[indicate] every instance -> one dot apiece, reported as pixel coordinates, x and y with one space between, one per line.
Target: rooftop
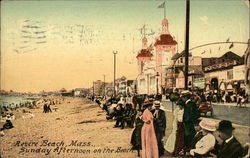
165 39
144 53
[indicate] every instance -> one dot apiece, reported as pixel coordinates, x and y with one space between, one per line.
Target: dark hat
148 102
180 103
225 125
139 110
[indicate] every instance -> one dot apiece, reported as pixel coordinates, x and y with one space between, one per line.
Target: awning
229 87
207 87
222 86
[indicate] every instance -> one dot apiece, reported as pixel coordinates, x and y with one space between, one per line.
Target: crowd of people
7 114
48 102
13 106
239 99
191 136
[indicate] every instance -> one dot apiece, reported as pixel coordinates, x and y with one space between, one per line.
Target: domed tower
165 49
144 55
165 26
144 43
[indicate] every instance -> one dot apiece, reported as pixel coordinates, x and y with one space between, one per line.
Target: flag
162 5
231 46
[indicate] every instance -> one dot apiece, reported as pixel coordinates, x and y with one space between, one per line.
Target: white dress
178 117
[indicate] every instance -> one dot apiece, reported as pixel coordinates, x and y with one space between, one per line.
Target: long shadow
91 121
80 109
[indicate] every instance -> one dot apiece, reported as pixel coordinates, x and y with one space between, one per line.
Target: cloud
204 19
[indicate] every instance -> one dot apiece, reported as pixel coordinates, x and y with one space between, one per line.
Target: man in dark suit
159 125
230 148
134 101
140 101
190 117
119 114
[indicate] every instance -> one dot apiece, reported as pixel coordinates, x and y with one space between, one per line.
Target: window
230 74
142 82
152 80
142 65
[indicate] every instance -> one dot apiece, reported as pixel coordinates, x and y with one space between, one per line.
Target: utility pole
157 80
93 88
187 43
104 85
157 89
114 52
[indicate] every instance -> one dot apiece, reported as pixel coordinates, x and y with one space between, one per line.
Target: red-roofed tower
144 55
165 48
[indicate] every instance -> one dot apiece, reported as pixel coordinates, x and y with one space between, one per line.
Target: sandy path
77 129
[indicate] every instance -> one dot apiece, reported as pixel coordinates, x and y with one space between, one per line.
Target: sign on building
239 72
199 82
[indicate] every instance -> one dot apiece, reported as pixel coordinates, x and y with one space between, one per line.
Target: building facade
247 68
153 62
97 87
227 75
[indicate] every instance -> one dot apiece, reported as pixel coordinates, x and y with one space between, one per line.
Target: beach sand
77 120
78 129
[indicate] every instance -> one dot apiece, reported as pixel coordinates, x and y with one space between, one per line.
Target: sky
49 45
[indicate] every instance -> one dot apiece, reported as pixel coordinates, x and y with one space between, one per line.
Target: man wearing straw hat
159 125
190 117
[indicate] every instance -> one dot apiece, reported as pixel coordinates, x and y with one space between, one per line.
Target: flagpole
164 10
187 43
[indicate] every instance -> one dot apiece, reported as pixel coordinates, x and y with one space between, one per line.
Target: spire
144 43
165 26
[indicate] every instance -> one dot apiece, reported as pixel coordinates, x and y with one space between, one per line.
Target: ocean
13 100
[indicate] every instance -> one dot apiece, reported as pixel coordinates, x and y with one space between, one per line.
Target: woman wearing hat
207 142
175 142
8 124
149 141
136 134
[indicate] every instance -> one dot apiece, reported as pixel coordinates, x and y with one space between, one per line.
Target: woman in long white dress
175 142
